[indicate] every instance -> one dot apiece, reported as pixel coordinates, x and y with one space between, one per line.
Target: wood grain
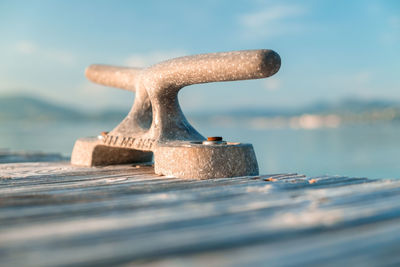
52 213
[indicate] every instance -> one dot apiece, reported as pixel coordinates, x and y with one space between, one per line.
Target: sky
330 49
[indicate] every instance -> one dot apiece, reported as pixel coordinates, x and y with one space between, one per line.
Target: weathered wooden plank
57 214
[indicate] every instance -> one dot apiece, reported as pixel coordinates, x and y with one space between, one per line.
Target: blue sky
330 49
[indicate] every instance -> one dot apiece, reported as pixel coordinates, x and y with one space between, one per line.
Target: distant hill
351 106
29 108
344 107
33 109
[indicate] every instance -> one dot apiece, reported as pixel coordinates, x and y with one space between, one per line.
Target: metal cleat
156 123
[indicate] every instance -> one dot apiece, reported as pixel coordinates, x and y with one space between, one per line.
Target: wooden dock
52 213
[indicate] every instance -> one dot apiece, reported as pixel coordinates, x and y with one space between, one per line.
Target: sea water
358 150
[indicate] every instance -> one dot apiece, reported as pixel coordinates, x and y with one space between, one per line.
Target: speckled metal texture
198 161
91 152
156 117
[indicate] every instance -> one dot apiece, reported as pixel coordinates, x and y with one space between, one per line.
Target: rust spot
214 138
311 181
270 179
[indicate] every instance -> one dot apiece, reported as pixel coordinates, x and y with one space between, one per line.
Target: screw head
214 138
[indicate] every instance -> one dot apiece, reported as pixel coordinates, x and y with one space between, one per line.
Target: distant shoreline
30 109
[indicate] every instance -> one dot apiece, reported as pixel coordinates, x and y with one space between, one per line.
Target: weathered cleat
156 123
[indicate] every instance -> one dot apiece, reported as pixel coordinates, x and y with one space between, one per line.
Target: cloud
105 97
272 21
362 83
25 47
29 48
355 79
64 57
272 84
362 78
147 59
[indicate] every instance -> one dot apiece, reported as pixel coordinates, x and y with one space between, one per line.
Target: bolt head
215 138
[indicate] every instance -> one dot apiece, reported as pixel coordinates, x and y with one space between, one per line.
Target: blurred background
333 108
